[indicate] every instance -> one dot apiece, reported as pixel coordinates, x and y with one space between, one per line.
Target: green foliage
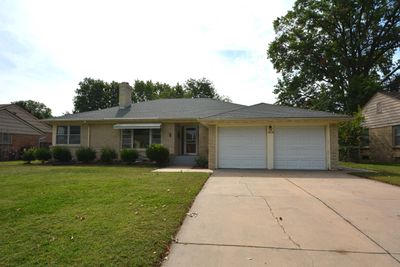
129 155
43 154
201 162
158 153
107 155
95 94
61 154
334 55
350 131
85 154
37 109
28 155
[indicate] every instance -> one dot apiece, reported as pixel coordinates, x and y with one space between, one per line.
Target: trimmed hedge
129 155
108 155
43 154
158 153
85 154
28 155
61 154
201 162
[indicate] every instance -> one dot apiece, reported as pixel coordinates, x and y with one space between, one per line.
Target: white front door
190 140
242 147
300 148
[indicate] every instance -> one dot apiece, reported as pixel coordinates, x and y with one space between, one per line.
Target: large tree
335 54
95 94
37 109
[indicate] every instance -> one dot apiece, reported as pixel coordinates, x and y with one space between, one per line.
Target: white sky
48 47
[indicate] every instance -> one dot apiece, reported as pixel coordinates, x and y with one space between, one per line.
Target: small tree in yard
350 133
28 155
42 154
158 153
129 155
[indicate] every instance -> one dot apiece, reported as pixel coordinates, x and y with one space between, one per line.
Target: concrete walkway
182 169
278 218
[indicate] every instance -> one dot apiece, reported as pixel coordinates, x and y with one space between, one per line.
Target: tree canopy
94 94
37 109
334 55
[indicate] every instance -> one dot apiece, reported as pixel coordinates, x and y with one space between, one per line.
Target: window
364 139
68 135
140 138
396 135
378 108
5 139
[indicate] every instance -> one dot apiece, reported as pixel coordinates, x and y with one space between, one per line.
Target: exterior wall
101 135
389 116
381 147
18 142
203 141
212 147
334 146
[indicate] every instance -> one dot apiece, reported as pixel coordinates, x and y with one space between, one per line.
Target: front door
190 140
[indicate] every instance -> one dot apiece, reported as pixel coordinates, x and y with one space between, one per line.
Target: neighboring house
382 120
19 129
230 135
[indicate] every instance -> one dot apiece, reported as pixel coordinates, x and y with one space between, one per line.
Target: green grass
90 215
388 173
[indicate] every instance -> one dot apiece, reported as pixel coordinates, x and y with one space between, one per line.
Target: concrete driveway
290 218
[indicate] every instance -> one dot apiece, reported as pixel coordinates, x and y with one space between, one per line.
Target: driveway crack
280 224
278 221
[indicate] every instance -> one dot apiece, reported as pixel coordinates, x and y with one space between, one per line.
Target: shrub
43 154
129 155
201 162
28 155
85 154
158 153
61 154
107 154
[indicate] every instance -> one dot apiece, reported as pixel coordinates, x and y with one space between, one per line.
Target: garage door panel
241 147
299 148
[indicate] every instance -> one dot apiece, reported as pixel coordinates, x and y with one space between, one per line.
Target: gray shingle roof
268 111
200 108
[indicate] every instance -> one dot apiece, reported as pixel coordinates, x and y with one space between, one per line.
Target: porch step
184 160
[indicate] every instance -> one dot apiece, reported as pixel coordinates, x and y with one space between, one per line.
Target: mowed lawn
388 173
90 215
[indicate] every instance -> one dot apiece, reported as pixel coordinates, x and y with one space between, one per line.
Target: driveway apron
290 218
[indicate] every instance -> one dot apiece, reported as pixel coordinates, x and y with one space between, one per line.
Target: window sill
68 145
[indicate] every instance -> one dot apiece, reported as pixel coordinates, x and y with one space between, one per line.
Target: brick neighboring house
19 129
382 120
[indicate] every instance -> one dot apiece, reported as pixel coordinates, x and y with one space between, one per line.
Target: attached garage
242 147
300 148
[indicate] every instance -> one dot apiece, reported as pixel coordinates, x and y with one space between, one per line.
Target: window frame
132 138
395 135
379 108
2 134
68 135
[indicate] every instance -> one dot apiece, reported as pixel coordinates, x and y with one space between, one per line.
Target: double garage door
293 148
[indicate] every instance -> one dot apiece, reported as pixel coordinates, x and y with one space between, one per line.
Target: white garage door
242 147
299 148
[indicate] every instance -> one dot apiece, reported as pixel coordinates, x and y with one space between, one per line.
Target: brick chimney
125 95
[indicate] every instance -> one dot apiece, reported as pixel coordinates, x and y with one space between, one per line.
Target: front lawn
388 173
90 215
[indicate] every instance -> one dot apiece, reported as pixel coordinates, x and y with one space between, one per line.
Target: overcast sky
48 47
